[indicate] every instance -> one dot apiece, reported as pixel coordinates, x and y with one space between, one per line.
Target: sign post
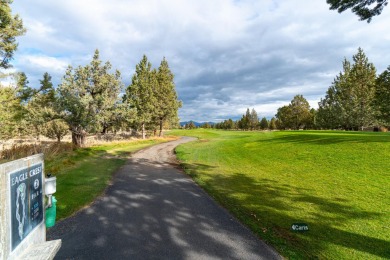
22 209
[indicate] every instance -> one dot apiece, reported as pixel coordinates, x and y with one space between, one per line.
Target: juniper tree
84 96
296 115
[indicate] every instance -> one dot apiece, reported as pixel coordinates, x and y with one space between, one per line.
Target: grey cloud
226 55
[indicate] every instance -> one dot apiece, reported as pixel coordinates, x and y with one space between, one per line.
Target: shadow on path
153 211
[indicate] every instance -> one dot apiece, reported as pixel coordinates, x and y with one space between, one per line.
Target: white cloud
44 63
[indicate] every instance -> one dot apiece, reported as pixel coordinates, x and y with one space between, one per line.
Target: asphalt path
153 210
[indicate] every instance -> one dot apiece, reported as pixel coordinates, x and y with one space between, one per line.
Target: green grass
336 182
83 174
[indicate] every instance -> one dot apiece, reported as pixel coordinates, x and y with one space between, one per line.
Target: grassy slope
336 182
83 175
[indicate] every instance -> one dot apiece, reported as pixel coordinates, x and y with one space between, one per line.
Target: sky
226 55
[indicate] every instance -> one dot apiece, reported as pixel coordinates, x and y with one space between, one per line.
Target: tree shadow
327 138
153 212
268 208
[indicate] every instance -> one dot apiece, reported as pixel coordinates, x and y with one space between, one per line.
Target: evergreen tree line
356 100
248 121
90 99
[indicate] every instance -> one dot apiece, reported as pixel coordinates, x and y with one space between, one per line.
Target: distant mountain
197 124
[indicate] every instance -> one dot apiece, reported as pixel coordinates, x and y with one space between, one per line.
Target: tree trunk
37 133
143 130
105 128
161 127
78 137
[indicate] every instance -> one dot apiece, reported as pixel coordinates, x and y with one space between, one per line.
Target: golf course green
335 182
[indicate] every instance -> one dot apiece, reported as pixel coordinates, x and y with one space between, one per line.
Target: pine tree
264 124
39 109
253 119
363 76
382 97
10 28
190 125
272 124
366 10
167 104
349 101
140 93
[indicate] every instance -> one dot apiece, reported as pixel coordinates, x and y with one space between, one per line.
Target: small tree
56 129
253 119
296 115
272 124
190 125
283 116
264 124
300 112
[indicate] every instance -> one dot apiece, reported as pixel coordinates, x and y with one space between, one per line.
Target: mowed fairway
336 182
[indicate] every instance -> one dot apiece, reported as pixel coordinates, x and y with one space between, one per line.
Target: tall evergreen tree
140 93
167 104
363 76
349 101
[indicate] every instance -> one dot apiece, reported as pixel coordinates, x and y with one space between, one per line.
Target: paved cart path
154 211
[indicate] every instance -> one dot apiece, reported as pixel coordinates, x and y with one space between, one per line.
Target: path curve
154 211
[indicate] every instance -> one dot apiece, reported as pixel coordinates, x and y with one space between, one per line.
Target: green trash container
51 213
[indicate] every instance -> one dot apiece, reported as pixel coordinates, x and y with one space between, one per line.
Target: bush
21 151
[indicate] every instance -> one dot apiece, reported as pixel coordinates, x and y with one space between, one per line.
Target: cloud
227 55
44 63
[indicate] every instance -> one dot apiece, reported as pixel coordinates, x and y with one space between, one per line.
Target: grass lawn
83 174
336 182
